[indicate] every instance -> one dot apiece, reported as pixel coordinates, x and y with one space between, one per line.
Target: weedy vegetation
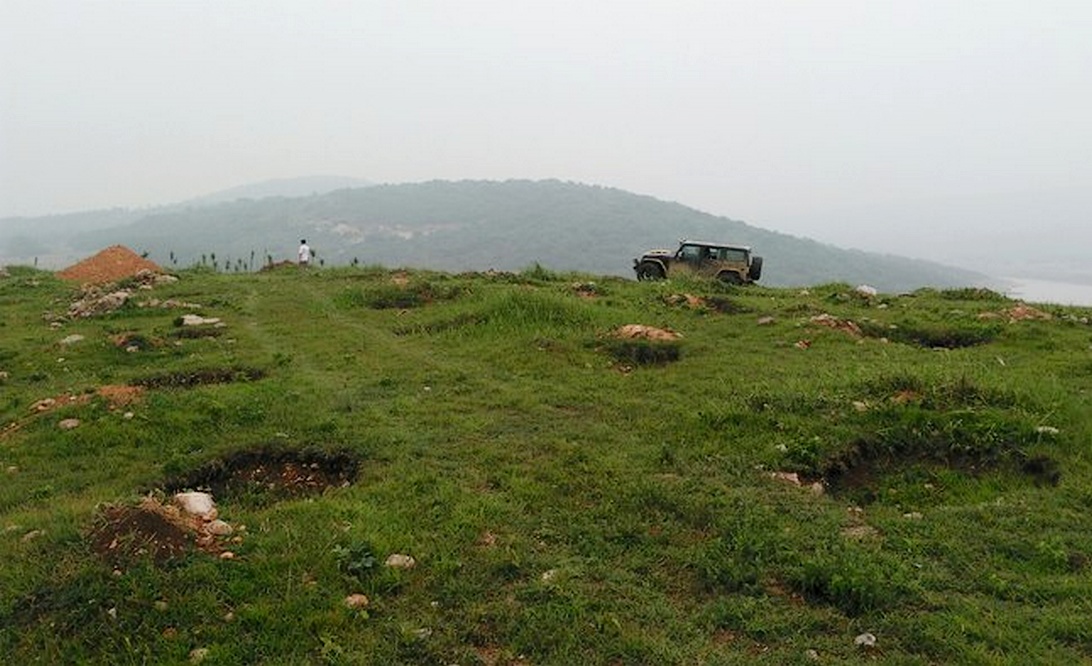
798 468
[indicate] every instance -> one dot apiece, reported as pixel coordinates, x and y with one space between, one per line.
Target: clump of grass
853 581
356 560
399 296
936 335
972 294
525 310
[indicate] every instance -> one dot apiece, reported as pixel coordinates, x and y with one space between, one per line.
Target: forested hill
478 225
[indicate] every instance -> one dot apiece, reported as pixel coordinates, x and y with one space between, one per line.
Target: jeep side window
688 253
732 254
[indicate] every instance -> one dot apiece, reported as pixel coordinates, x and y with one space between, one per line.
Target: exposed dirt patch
719 304
109 265
845 325
196 332
268 473
121 396
642 332
191 378
150 529
859 473
133 342
277 266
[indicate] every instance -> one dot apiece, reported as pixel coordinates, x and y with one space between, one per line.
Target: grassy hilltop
797 470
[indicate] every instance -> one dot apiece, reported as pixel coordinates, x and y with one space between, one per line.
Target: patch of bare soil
109 265
191 378
150 529
115 396
642 332
272 473
121 396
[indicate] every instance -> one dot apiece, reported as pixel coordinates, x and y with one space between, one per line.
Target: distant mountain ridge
479 225
279 187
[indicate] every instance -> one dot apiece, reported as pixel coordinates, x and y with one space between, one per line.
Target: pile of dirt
109 265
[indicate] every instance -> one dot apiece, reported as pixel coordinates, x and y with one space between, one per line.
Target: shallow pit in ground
191 378
863 472
269 474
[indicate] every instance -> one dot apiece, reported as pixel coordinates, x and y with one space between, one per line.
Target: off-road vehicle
730 263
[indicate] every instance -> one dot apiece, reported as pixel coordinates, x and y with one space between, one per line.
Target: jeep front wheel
647 270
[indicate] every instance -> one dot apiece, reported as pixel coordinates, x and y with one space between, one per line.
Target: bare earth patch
271 473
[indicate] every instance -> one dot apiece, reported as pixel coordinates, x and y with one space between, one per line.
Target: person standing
304 254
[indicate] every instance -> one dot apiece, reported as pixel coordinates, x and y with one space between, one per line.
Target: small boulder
197 504
69 424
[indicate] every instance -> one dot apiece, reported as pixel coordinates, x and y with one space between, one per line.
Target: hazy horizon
960 132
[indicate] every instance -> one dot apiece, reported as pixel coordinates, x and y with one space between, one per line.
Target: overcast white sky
896 126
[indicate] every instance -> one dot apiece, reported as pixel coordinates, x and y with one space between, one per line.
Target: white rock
219 528
72 339
196 504
1047 430
69 424
198 655
865 640
865 290
198 320
400 561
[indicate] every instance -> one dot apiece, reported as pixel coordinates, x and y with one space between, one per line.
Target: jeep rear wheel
729 277
648 270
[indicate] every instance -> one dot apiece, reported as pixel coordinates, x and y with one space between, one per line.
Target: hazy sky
896 126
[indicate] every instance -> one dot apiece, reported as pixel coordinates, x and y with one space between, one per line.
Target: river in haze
1047 291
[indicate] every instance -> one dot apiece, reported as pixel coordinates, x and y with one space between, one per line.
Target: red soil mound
113 263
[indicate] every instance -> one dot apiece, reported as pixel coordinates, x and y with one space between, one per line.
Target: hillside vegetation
464 226
798 476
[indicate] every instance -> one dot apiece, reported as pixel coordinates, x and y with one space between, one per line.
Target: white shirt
305 254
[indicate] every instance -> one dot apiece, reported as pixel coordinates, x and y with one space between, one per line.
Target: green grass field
568 497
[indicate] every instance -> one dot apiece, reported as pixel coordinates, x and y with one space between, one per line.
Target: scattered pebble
160 605
227 555
356 601
865 640
72 339
549 575
219 528
32 535
198 655
400 561
69 424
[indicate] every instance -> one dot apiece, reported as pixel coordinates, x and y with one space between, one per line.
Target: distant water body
1046 291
